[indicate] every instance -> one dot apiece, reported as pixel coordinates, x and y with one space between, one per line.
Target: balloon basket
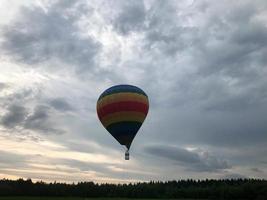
127 155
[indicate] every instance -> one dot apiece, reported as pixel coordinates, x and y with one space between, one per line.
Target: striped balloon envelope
122 109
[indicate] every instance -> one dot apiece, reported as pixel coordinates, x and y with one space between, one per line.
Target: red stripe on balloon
122 106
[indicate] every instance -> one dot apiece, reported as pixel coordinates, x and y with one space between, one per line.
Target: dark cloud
40 119
174 153
15 116
28 109
21 96
42 34
190 159
60 104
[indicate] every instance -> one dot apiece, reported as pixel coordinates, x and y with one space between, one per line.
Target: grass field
71 198
62 198
59 198
42 198
65 198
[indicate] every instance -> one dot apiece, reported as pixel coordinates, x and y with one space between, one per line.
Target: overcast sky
203 65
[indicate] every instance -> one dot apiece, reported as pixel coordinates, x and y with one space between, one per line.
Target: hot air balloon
122 109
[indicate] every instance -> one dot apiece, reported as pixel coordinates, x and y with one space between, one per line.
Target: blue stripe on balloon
122 88
124 132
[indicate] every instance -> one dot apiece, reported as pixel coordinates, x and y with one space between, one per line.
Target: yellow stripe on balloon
122 117
122 96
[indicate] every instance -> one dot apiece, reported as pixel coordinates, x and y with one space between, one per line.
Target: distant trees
198 189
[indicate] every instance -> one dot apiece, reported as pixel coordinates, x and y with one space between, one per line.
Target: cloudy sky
202 63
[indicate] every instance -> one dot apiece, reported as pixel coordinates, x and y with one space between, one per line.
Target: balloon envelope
122 110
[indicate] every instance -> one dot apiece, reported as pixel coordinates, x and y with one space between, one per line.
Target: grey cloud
60 104
234 47
214 128
2 86
166 31
241 12
228 90
189 159
8 159
80 147
234 176
225 47
232 104
27 109
172 42
203 69
81 165
15 115
131 17
103 169
255 169
160 25
174 153
40 113
21 96
39 35
40 120
217 95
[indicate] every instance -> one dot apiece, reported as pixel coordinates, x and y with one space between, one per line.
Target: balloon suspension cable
127 154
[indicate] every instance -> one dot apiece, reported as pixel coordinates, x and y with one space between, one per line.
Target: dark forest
197 189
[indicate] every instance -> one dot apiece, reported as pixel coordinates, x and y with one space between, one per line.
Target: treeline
194 189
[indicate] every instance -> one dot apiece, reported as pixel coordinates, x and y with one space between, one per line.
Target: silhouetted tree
199 189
